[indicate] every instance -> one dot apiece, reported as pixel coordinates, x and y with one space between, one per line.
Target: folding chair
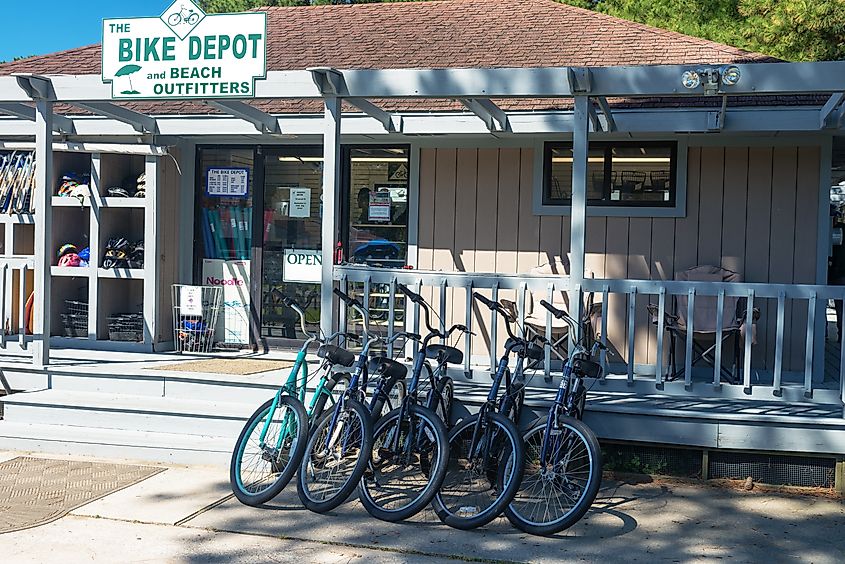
534 324
705 326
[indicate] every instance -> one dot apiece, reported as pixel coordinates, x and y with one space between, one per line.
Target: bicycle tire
297 449
519 512
431 468
509 454
313 459
331 384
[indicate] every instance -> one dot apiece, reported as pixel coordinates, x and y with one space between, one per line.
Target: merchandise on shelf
17 181
68 255
74 185
120 253
75 319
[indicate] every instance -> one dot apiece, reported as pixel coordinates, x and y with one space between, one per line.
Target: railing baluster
808 353
391 316
632 310
22 308
842 370
661 313
547 350
776 385
749 336
520 306
343 321
494 331
417 290
443 307
605 293
688 348
3 272
720 324
468 336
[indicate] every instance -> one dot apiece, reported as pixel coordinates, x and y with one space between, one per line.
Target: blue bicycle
273 440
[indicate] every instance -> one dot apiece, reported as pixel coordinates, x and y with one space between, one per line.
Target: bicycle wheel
335 386
443 405
395 395
553 499
480 484
174 19
335 457
400 482
259 470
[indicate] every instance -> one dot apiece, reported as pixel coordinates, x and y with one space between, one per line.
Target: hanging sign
185 53
379 209
233 277
190 301
227 182
303 265
300 202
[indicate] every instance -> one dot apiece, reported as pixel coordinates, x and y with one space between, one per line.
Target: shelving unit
91 223
17 239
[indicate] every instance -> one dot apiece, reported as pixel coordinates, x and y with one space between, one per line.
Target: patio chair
705 324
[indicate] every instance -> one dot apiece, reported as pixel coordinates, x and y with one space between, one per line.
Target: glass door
292 238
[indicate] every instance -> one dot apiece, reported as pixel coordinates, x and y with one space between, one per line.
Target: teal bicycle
272 443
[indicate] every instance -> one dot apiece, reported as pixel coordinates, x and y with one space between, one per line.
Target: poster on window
227 182
300 202
233 276
379 209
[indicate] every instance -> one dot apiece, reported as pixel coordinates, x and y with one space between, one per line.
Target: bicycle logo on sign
183 16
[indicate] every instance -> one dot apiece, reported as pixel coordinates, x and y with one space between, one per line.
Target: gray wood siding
749 209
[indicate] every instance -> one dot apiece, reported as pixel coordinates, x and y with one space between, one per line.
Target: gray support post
152 249
331 193
43 231
187 194
578 226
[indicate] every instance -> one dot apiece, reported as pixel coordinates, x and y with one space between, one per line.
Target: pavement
187 514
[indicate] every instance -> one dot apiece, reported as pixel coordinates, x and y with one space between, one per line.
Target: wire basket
126 327
75 319
195 313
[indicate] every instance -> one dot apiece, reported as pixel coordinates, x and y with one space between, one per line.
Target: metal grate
642 459
774 469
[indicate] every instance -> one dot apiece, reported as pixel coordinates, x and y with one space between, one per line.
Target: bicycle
411 443
442 388
486 450
262 465
341 440
188 16
563 463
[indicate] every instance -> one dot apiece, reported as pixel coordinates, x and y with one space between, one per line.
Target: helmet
67 248
70 259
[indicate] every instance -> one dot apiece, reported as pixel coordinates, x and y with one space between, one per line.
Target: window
619 174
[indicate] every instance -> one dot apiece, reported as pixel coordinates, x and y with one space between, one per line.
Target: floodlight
690 79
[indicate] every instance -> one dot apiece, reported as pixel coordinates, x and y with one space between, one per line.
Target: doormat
236 366
36 491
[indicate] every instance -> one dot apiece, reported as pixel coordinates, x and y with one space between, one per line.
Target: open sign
303 266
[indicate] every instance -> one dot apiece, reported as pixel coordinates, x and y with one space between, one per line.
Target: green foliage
798 30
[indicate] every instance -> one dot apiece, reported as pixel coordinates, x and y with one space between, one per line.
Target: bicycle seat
336 355
387 367
450 354
529 350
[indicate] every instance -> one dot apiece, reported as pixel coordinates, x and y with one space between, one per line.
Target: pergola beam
61 124
492 115
827 115
390 122
263 122
142 123
608 115
549 82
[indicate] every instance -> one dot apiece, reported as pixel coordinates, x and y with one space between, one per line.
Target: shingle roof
437 34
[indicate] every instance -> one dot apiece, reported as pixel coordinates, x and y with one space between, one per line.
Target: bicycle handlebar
356 305
295 307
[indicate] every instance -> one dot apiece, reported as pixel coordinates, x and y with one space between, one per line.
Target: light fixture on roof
690 79
730 75
712 78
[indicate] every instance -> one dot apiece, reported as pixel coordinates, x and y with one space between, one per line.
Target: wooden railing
788 298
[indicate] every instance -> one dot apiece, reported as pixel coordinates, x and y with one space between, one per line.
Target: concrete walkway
186 514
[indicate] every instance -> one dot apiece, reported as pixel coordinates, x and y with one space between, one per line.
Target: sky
36 27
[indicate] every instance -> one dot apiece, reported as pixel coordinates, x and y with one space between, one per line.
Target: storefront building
455 146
